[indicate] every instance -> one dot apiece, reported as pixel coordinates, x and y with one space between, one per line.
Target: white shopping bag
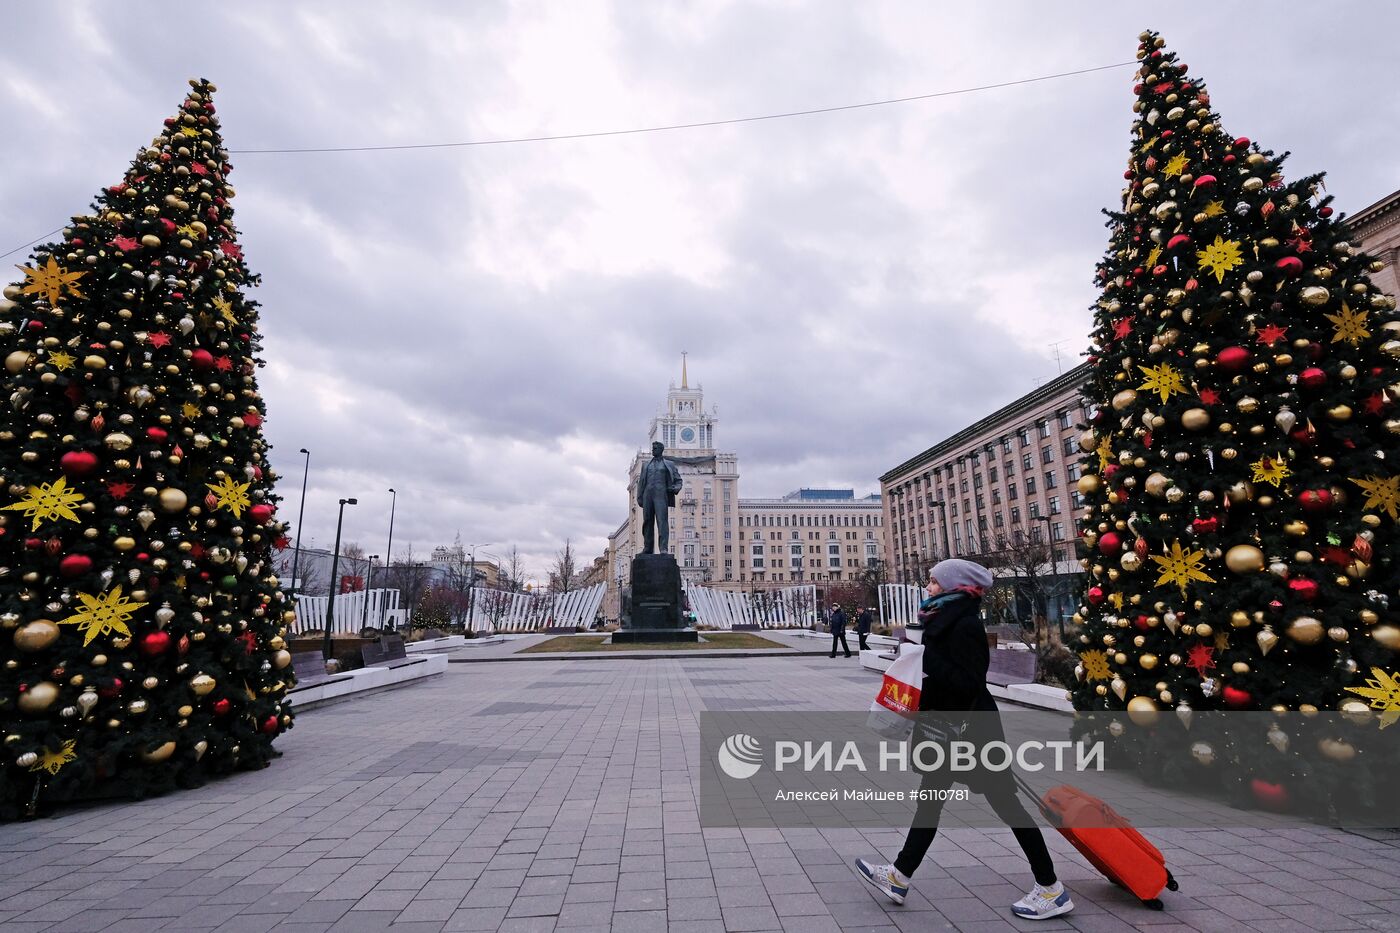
892 713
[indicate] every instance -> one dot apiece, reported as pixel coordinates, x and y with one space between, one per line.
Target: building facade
1377 230
1009 477
809 536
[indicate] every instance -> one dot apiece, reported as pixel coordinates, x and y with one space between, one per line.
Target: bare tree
512 572
409 576
1027 577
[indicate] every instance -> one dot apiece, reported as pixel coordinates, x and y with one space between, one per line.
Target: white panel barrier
789 607
497 610
899 603
353 611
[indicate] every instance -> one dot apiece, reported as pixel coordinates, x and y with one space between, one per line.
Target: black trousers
838 636
861 636
1004 802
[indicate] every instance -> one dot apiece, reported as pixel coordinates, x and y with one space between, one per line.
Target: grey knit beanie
958 574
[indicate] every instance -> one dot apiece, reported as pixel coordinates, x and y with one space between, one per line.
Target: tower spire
685 379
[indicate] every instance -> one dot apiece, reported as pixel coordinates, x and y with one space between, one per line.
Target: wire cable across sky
703 124
684 126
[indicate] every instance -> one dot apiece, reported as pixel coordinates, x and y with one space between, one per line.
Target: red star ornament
1271 334
1201 658
1210 397
282 543
252 419
1123 328
119 490
231 250
125 243
198 168
223 364
1375 404
160 339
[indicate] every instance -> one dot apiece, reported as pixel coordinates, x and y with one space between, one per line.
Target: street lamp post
301 511
943 522
389 549
369 580
335 565
1054 570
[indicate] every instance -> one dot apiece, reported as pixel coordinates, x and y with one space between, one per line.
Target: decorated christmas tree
140 622
1242 483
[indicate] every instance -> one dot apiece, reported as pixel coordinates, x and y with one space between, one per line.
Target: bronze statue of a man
657 485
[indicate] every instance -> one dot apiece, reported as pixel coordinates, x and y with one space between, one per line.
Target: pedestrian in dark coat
956 658
838 631
863 622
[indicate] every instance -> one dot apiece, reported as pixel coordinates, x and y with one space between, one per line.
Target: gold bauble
1336 749
1130 561
1356 711
1156 484
18 360
1242 491
38 697
1088 484
1305 630
1339 413
1204 630
186 711
1239 619
201 684
281 659
1147 661
124 543
1124 399
173 500
159 753
1142 711
36 635
1087 441
1195 419
1387 636
1297 528
1203 752
1244 558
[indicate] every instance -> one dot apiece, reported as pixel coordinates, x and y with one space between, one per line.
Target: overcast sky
491 329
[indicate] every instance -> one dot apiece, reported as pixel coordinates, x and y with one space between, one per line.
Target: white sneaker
1043 903
884 878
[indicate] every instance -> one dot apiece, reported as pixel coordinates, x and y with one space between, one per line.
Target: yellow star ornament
1350 326
189 131
232 496
49 502
1214 209
1220 257
102 614
50 281
1177 165
1382 493
1162 380
1270 470
1105 452
52 761
225 308
1383 690
1095 665
61 360
1181 567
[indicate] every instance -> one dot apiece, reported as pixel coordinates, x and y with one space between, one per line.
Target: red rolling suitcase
1122 854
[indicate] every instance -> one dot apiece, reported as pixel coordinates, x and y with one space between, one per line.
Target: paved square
561 794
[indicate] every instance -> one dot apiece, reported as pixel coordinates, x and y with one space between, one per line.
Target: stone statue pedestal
656 612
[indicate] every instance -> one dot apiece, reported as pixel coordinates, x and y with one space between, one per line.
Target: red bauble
1235 698
157 434
1324 212
183 645
1205 526
1312 378
1179 240
1096 595
1111 471
1290 266
1315 500
78 462
221 707
1205 181
270 725
111 690
1110 543
1270 796
1232 359
202 359
1303 588
261 513
155 643
1140 547
1142 622
75 565
1242 142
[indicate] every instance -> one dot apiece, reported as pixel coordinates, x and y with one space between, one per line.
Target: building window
1027 462
1006 444
963 484
1073 471
1030 485
1047 454
1057 531
758 563
1045 428
1035 510
1070 446
1011 492
996 496
1054 505
1015 515
1025 435
1066 420
992 473
1051 481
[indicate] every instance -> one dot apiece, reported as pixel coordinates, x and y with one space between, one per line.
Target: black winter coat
838 621
863 622
956 658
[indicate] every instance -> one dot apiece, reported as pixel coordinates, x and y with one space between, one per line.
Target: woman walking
955 681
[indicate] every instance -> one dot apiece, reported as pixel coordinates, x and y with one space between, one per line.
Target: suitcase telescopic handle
1025 788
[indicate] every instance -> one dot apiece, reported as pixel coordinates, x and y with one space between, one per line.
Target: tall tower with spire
684 424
